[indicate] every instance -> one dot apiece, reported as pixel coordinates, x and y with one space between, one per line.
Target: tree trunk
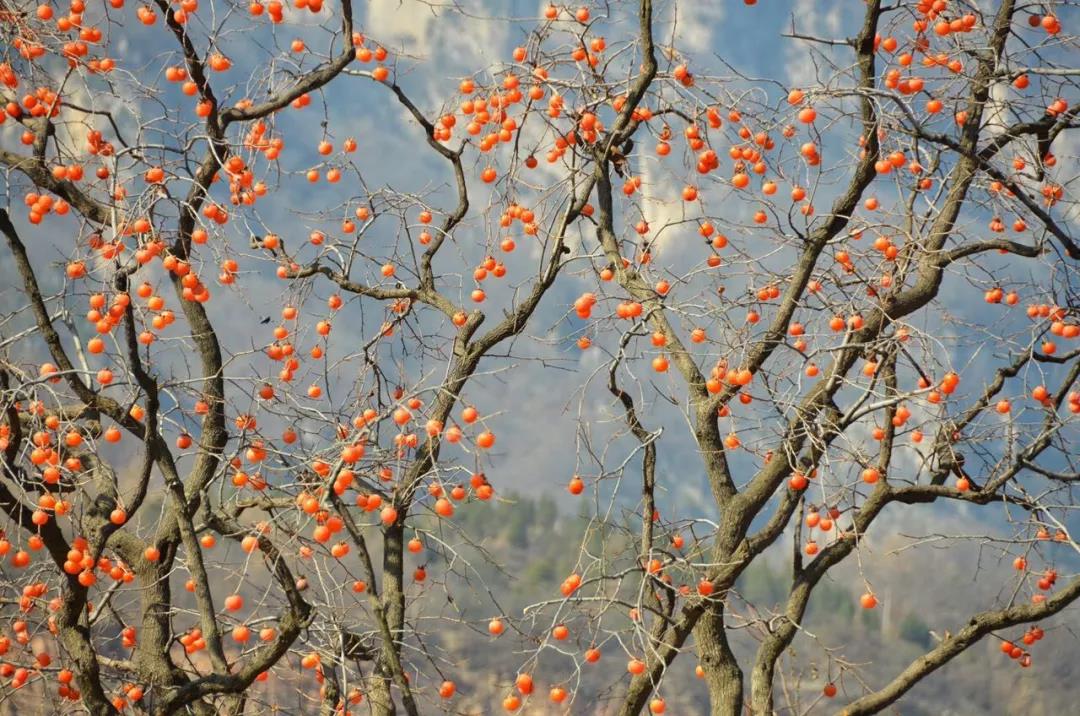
722 673
761 689
393 608
379 693
637 696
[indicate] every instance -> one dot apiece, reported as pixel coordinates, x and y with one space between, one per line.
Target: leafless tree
813 351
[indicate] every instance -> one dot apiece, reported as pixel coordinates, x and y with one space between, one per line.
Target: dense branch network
803 347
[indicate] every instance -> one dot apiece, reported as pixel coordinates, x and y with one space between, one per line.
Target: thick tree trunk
722 673
393 607
761 689
380 695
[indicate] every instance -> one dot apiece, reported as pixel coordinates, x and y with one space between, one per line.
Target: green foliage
915 630
760 584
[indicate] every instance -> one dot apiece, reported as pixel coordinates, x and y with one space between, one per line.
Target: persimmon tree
805 292
240 377
149 417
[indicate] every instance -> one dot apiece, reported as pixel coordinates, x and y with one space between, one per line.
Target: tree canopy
457 357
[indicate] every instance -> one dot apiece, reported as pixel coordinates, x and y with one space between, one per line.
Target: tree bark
722 673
